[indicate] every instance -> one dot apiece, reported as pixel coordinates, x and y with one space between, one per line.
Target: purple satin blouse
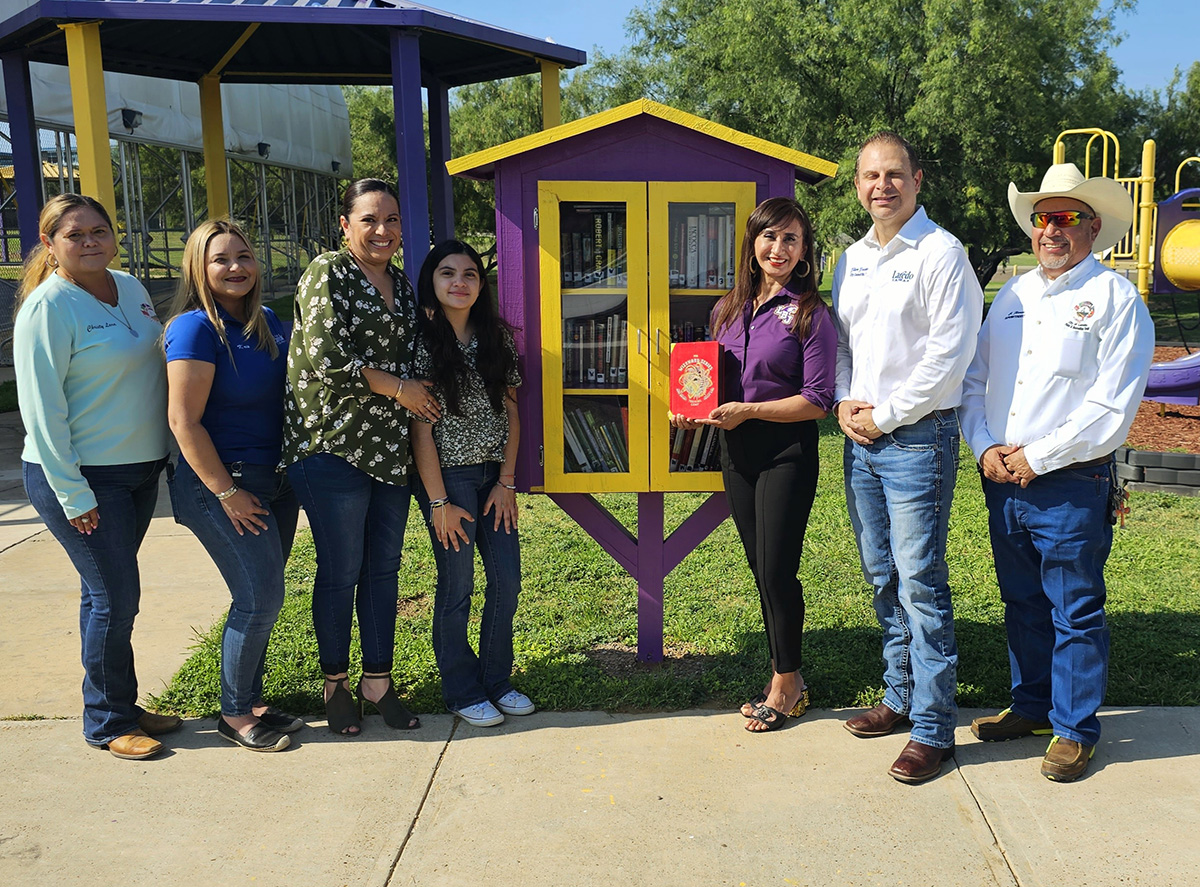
763 360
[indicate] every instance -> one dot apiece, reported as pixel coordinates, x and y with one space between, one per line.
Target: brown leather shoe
919 762
877 721
1066 760
155 724
133 746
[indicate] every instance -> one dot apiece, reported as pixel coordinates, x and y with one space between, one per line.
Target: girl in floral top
466 462
345 444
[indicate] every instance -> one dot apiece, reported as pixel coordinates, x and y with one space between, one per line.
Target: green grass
577 623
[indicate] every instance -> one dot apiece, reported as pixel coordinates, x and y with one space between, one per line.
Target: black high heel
389 706
340 709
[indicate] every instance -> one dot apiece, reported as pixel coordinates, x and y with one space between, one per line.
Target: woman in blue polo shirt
778 351
225 375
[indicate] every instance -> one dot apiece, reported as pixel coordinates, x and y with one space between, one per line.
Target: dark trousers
770 472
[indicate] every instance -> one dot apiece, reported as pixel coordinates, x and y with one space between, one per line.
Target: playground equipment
1170 232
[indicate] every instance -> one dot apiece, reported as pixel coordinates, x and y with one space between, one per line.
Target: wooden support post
90 108
551 95
27 160
410 148
650 575
212 126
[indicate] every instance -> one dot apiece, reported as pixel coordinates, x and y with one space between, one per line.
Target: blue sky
1160 34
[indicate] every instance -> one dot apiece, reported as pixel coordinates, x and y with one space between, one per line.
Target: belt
940 414
1091 463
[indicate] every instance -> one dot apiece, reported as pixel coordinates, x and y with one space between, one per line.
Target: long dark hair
775 212
493 360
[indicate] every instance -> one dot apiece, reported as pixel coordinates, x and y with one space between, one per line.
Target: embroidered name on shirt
92 327
858 272
902 276
1015 315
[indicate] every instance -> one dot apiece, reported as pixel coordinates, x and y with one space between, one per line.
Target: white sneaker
481 714
514 703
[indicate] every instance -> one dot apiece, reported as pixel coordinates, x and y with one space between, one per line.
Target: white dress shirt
907 315
1060 368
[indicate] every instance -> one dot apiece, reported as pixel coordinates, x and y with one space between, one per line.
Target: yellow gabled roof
481 163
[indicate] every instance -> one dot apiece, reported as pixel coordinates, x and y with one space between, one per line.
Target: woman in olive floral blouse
346 446
468 490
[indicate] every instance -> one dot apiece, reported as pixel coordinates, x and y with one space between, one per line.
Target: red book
695 378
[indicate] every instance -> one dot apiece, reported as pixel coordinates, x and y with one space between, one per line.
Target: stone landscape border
1150 471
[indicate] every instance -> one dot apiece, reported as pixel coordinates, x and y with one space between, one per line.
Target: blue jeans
1051 541
899 490
109 584
358 530
252 567
468 679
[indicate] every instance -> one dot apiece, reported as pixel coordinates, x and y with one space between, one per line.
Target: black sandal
752 704
341 710
772 718
389 706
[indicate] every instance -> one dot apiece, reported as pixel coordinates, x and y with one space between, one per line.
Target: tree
982 87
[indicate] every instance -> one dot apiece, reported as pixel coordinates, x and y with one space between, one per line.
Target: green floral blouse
480 433
341 326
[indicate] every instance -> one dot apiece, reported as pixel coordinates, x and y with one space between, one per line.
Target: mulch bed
1178 430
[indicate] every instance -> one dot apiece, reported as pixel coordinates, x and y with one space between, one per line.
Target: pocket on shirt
1071 349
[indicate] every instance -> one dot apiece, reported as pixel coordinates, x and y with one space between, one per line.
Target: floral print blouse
480 433
341 326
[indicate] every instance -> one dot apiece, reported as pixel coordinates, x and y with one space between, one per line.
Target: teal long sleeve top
91 382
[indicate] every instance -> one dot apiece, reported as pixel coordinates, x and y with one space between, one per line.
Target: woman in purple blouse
778 349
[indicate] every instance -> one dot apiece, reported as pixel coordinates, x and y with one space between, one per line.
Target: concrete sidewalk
684 798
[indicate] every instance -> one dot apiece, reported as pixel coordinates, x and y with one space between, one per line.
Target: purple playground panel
1175 381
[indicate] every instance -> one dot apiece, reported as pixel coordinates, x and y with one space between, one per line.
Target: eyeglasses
1068 218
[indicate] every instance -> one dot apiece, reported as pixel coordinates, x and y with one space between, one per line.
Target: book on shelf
711 258
623 357
599 253
695 378
576 258
697 446
709 460
681 444
722 257
701 251
693 252
622 256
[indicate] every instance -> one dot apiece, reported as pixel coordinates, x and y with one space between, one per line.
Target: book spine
599 253
693 252
601 377
711 449
614 349
589 346
622 257
701 252
711 268
574 449
723 253
676 240
576 258
731 253
697 445
610 249
623 355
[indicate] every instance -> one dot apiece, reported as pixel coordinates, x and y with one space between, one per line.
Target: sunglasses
1062 219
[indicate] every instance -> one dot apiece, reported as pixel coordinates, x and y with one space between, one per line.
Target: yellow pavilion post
1146 217
88 104
212 125
551 95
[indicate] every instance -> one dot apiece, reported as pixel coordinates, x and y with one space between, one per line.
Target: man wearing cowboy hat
1058 373
907 306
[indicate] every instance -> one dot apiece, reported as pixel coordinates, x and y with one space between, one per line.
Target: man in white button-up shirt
908 307
1055 384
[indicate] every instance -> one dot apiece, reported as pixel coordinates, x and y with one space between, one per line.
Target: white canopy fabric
307 127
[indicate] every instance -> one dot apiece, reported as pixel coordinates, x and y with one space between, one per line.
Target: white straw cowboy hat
1108 199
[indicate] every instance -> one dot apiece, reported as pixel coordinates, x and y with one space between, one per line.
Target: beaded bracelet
221 497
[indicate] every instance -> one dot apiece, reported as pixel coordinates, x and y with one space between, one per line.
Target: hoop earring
807 268
50 260
753 265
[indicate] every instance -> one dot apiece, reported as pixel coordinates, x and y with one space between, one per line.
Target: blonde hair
38 263
194 293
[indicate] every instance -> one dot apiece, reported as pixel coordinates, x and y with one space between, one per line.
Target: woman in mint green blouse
346 445
93 395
